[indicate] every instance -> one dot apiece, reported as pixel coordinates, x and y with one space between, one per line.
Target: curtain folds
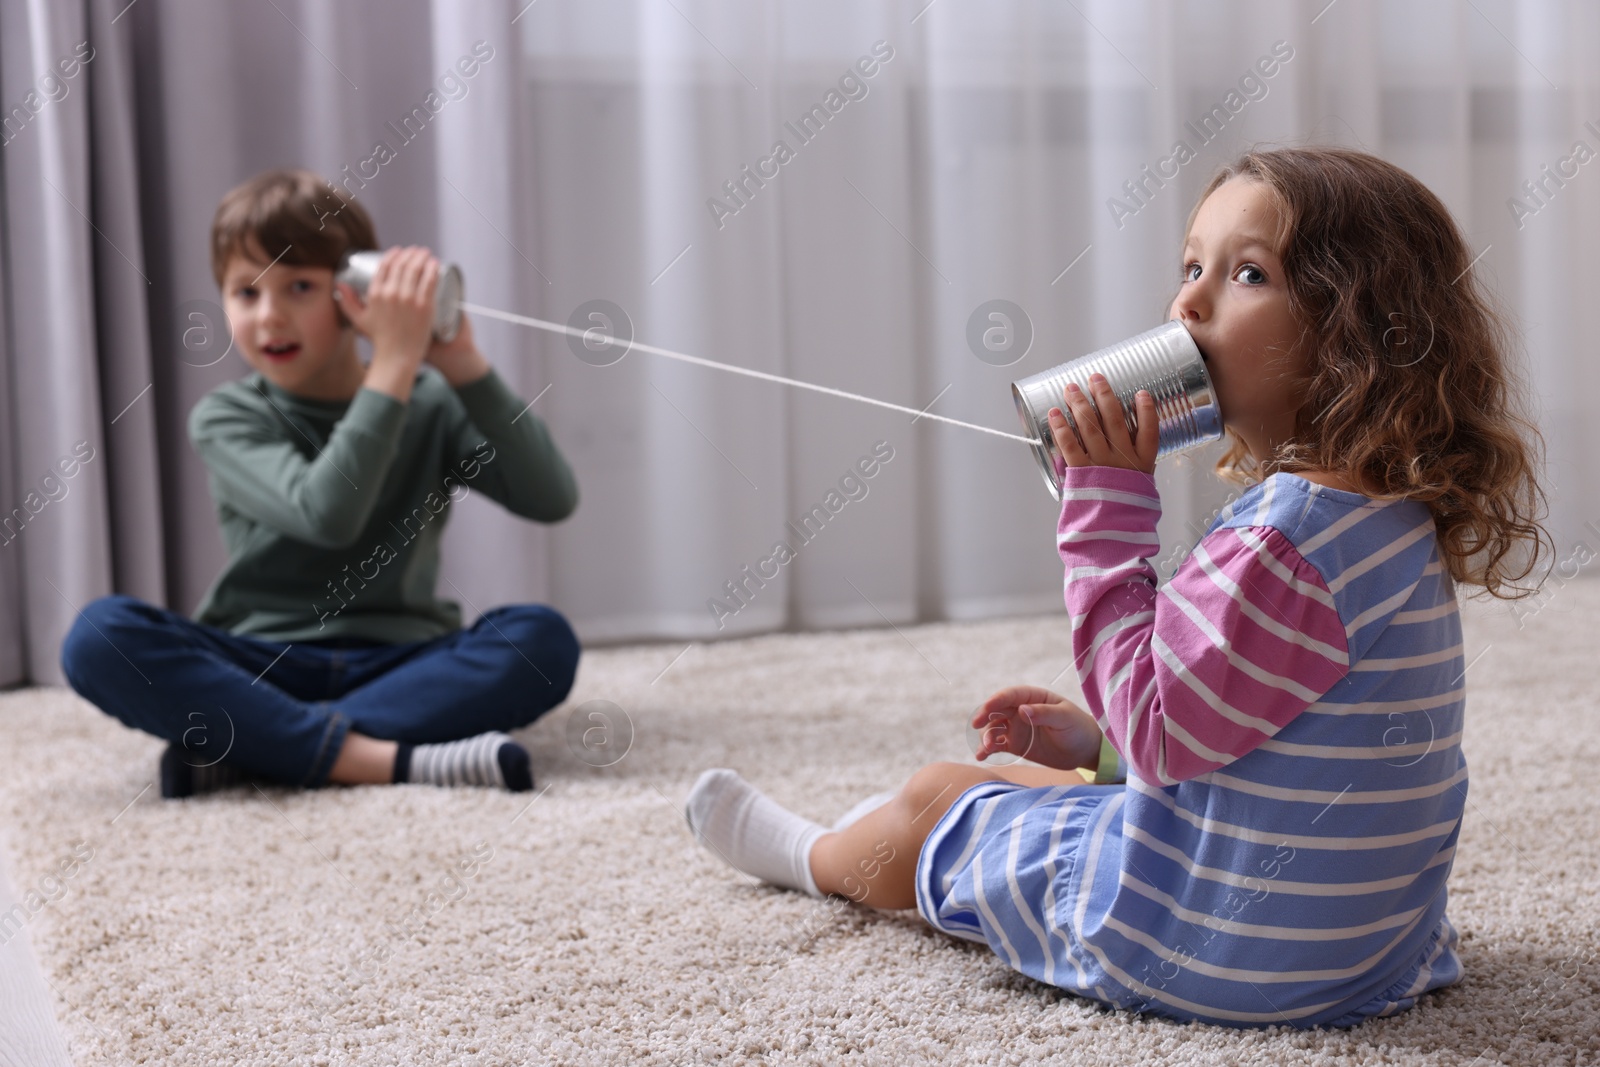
833 192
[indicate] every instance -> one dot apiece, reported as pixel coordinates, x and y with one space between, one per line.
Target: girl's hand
1106 442
1038 725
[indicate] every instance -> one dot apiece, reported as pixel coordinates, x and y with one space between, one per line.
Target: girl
1289 705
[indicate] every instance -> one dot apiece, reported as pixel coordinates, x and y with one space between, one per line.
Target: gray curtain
76 339
109 189
585 160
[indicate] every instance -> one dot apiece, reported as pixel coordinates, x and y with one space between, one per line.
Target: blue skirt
999 869
1019 868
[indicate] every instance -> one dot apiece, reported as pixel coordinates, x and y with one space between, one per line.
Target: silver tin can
1164 360
359 268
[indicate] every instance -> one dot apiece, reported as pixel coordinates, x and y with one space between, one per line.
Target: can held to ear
359 268
1164 361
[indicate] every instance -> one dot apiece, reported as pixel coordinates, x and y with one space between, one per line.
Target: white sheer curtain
980 164
977 162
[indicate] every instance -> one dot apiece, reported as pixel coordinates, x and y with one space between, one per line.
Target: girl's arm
1244 638
1188 678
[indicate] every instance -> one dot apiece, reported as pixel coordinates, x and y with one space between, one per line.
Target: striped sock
492 759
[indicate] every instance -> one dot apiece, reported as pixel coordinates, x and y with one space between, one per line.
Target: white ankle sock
872 803
751 831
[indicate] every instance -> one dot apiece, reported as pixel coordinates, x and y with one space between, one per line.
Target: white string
556 327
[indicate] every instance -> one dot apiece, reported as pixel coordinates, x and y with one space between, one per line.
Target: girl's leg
873 861
1033 776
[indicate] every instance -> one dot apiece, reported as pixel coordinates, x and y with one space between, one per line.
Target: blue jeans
281 711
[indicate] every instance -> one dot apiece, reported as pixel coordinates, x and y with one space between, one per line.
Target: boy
320 653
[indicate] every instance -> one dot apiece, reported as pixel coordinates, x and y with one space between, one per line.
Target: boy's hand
1106 442
397 315
459 359
1039 725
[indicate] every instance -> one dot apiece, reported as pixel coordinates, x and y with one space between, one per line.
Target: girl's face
1235 302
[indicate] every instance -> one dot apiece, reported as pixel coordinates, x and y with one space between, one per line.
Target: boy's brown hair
288 216
1414 391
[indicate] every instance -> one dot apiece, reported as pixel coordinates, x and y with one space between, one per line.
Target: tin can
359 268
1164 360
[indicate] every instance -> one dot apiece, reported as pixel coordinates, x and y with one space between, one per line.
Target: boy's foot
751 831
182 777
492 759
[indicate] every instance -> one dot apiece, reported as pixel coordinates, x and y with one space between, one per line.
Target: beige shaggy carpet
582 925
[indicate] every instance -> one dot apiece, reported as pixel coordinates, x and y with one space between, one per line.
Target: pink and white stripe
1189 678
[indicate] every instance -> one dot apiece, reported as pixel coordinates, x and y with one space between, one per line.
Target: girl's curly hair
1411 390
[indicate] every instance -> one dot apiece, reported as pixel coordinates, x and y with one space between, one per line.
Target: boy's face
1235 302
287 326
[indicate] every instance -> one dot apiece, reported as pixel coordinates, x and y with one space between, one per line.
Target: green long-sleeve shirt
332 511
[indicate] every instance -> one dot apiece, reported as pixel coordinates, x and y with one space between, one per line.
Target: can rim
447 303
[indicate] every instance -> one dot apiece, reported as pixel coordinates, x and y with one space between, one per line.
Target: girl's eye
1189 271
1261 276
245 292
304 286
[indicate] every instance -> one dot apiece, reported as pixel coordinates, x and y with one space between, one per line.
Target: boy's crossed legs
306 713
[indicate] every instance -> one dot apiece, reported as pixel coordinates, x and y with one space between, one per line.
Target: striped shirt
1289 710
